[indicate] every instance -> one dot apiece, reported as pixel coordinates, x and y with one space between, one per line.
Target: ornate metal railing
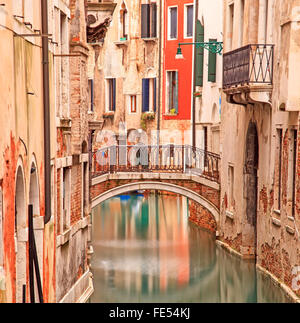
251 64
163 158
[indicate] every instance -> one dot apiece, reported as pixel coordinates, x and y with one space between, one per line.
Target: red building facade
177 73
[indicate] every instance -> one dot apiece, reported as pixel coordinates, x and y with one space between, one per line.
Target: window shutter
212 65
145 21
176 92
199 55
92 95
145 99
154 20
114 94
154 95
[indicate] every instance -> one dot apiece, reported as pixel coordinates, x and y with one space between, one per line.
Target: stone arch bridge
183 170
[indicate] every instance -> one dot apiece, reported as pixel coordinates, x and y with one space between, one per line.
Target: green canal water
145 250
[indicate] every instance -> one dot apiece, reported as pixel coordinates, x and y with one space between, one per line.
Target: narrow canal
145 250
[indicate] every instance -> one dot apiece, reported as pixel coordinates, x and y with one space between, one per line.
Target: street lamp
212 46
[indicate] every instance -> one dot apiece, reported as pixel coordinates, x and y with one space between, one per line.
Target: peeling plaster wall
21 132
278 246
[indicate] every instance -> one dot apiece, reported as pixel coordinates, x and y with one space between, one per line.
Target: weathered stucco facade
259 134
21 144
123 66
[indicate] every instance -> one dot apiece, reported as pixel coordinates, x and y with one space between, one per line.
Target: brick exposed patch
234 243
201 217
271 258
263 198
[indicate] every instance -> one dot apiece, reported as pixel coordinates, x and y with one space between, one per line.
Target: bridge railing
163 158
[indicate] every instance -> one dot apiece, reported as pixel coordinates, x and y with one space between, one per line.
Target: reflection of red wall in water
184 257
180 250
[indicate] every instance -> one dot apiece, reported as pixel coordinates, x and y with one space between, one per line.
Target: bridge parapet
172 159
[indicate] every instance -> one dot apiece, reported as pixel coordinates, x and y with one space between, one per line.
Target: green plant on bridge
146 116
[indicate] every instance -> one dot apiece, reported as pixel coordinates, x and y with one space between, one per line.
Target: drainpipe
46 96
194 80
159 72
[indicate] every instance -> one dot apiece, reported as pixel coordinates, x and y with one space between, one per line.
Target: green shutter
199 55
212 65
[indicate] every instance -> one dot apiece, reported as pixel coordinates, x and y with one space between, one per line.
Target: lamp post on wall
214 47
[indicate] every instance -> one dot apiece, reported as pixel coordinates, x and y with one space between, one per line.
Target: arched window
124 22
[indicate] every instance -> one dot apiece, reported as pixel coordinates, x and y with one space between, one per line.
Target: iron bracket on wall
212 46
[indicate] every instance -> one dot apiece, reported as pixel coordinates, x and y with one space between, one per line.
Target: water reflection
147 251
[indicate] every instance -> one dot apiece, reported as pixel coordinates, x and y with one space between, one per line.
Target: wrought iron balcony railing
156 159
251 64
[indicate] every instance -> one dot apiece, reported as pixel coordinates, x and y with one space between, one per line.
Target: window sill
121 43
290 230
108 115
150 39
171 115
230 215
63 238
65 123
276 222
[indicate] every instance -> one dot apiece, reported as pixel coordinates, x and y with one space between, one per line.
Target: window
230 188
64 66
292 171
111 95
149 20
149 95
124 22
91 95
85 188
278 169
189 20
172 94
66 198
173 23
132 103
230 26
242 10
212 64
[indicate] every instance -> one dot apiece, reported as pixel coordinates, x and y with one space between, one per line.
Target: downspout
46 96
159 71
194 80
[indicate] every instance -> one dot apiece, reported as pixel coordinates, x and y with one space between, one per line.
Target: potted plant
197 94
146 116
173 112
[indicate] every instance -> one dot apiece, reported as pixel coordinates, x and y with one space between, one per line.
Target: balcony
248 74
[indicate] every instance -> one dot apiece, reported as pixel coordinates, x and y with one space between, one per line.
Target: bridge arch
158 186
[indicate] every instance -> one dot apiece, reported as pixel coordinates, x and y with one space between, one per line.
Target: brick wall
208 193
202 217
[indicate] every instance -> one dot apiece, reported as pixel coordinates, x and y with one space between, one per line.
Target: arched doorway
21 235
251 182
